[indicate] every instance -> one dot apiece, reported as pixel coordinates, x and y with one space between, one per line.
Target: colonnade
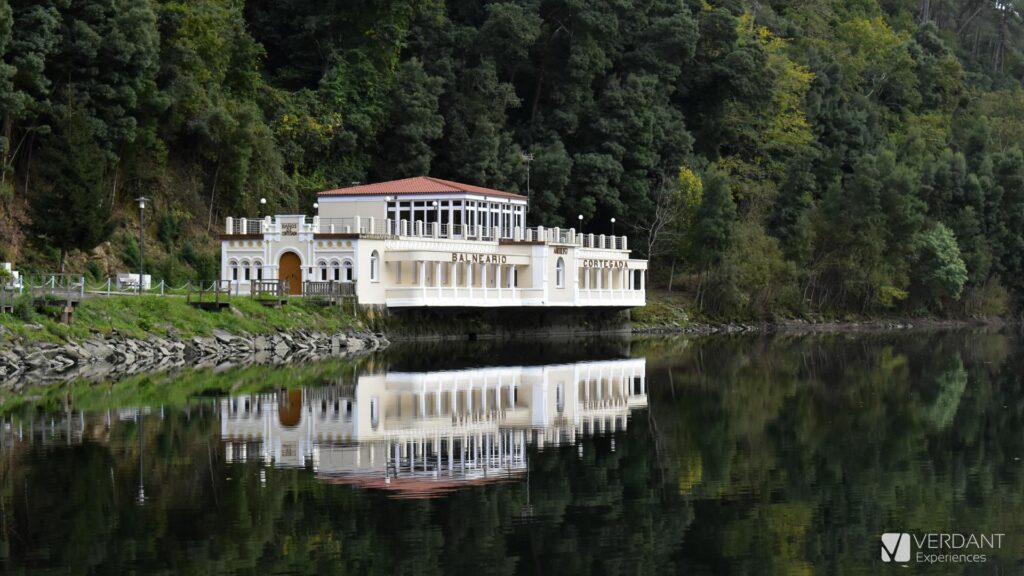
439 275
611 279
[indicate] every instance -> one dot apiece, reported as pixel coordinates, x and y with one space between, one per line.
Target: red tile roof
417 185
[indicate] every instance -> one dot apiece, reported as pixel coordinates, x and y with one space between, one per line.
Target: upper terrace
356 226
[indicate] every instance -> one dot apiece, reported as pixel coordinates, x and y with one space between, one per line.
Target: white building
429 242
420 433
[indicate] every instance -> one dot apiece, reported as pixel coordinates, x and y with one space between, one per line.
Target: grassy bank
178 387
139 316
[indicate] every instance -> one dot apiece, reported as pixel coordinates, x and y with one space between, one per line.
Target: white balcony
476 297
296 225
610 297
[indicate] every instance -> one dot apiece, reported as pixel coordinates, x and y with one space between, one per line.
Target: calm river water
717 455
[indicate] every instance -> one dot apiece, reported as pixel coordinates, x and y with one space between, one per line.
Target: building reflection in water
423 434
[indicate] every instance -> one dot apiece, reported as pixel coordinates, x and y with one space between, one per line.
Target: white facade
420 432
445 249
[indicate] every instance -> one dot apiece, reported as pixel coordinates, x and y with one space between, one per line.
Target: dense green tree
415 124
71 210
713 233
940 269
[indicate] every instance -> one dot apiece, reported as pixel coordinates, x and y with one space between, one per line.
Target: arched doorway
290 269
289 409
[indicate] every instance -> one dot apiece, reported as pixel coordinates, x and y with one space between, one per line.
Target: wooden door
289 407
290 269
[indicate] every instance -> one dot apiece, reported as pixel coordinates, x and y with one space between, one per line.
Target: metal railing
67 287
341 226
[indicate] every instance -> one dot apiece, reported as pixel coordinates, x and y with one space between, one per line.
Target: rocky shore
807 326
114 355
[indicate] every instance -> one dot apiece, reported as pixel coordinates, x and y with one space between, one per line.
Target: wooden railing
7 300
331 291
269 289
215 295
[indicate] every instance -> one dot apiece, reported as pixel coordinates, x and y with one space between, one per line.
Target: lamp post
142 240
613 225
527 157
263 206
316 206
141 495
580 217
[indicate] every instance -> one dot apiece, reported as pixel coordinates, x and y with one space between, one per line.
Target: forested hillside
779 156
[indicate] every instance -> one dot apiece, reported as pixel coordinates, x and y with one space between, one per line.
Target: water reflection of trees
797 452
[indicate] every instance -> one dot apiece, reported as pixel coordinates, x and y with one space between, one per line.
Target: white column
483 278
437 277
497 278
423 278
452 268
469 278
643 279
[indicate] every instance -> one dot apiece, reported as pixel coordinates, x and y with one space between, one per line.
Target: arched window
346 267
560 273
375 267
335 271
257 269
245 270
322 265
234 269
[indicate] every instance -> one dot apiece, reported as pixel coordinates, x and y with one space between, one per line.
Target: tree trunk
997 58
63 256
113 190
926 9
28 163
672 274
213 194
8 130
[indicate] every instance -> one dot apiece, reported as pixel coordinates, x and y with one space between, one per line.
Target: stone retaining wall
114 355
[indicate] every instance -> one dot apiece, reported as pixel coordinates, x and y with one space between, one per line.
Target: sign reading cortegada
480 258
604 263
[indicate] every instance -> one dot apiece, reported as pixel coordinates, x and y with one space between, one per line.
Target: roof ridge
411 185
453 184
